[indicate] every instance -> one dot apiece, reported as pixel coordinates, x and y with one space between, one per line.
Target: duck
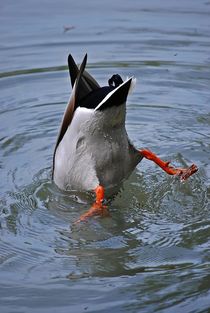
93 152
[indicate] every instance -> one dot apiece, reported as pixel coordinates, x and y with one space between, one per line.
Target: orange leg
97 208
183 173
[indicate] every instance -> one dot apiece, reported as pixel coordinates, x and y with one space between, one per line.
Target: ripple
135 64
162 257
152 253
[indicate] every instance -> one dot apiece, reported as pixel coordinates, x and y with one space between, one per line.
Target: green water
153 253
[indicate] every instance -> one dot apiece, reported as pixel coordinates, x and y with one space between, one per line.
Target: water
152 254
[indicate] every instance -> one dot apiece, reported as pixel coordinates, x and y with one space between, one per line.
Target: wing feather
69 112
89 83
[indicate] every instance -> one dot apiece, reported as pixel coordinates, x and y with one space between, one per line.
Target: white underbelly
89 155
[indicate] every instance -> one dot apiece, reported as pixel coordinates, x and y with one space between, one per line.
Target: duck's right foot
97 208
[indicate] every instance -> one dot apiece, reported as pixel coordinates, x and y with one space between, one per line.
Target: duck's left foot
183 173
97 208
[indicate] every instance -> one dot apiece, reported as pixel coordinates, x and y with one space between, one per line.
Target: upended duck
93 151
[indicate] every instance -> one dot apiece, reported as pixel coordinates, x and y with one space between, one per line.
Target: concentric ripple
152 253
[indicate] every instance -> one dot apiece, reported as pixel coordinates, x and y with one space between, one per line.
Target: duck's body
93 151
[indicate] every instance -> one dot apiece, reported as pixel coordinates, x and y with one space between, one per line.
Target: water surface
152 254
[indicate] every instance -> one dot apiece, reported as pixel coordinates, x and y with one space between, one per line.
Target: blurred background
152 254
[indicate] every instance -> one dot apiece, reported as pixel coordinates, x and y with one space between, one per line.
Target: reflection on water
153 252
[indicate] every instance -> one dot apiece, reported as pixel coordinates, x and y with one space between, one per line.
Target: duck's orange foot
97 208
183 173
